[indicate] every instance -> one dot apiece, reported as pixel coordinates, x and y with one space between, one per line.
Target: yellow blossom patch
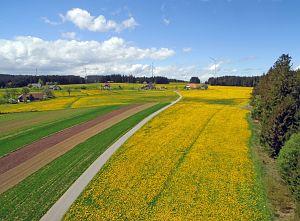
191 162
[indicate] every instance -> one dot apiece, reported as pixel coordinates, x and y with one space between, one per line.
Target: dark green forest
276 106
234 81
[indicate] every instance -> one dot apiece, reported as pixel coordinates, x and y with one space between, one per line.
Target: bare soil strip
58 144
25 153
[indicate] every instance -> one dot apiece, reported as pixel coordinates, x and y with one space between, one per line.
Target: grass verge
31 198
279 199
14 142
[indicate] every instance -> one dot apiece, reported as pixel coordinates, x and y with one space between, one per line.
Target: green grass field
14 123
21 138
31 198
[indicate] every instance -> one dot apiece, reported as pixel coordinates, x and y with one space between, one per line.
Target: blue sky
179 37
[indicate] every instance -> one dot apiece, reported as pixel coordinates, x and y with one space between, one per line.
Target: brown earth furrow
24 169
21 155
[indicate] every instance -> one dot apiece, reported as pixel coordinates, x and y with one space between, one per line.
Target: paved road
57 211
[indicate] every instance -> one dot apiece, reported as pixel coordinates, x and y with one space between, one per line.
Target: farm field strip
84 131
33 196
22 138
53 104
25 153
190 161
17 123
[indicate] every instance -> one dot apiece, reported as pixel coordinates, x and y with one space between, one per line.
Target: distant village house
106 86
35 85
149 86
55 87
196 86
31 97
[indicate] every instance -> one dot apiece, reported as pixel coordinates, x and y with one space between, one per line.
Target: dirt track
25 161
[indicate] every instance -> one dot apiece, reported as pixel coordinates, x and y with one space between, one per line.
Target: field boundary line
58 210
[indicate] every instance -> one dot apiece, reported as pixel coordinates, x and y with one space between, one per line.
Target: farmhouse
196 86
31 97
36 85
149 86
55 87
106 86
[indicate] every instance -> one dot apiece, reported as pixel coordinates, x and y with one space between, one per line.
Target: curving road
57 211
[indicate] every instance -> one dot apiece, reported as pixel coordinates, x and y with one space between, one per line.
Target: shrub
281 124
3 100
289 164
12 101
49 93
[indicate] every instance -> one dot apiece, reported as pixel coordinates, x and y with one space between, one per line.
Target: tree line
234 81
117 78
11 81
276 105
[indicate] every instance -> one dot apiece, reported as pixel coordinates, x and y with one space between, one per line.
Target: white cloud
297 68
48 21
69 35
186 50
64 56
213 67
129 23
84 20
166 21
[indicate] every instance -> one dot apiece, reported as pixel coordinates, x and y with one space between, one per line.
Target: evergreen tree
195 80
276 102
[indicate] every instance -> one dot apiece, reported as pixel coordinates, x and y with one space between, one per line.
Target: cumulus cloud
69 35
186 50
297 68
85 21
26 52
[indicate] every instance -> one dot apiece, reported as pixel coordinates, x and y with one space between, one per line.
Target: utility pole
215 64
152 73
85 73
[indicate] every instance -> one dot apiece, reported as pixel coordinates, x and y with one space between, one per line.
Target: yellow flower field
53 104
191 162
123 97
91 98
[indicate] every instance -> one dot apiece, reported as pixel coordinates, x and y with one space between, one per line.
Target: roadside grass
259 172
15 142
30 199
277 196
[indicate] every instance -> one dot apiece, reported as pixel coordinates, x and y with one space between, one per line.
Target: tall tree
195 80
276 101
